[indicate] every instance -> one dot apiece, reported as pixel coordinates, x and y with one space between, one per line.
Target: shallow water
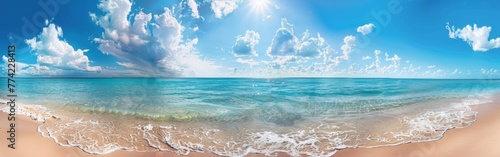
234 117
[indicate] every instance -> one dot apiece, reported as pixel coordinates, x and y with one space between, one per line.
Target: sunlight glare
259 6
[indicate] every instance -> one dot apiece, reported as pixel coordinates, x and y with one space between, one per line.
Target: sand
482 139
29 143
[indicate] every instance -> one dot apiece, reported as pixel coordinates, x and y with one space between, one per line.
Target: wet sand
482 138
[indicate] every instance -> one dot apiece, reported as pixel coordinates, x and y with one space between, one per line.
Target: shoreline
29 142
459 140
481 138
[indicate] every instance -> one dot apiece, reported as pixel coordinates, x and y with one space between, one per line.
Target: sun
259 6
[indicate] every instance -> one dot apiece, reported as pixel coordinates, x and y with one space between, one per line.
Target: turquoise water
271 109
233 99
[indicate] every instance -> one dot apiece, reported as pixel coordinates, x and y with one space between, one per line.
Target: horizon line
301 77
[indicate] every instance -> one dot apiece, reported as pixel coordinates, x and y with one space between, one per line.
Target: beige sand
482 139
30 143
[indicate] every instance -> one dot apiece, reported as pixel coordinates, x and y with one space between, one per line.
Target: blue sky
255 38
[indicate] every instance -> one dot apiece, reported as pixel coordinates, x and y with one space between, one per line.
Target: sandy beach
479 139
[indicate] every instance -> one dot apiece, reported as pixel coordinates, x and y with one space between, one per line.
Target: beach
479 139
30 143
251 117
250 78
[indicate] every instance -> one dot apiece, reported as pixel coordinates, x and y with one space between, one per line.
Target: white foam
36 112
94 122
296 143
323 139
432 125
148 127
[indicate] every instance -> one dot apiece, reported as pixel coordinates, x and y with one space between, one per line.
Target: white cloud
250 61
285 43
54 52
188 61
244 45
434 73
32 69
37 69
366 29
224 7
376 66
126 64
349 42
19 65
476 37
351 69
194 8
311 46
410 69
366 58
439 71
489 71
431 66
152 44
395 59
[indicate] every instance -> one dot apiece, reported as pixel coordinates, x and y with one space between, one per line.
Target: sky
254 38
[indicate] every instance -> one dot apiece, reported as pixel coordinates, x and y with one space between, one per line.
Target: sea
239 116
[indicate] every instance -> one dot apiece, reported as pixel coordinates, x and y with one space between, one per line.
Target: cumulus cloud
431 66
194 8
150 43
311 46
366 29
285 43
477 37
396 62
376 66
53 51
41 70
224 7
245 44
280 62
347 48
349 43
32 69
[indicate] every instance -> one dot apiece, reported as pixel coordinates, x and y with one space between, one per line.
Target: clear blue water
228 99
237 116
